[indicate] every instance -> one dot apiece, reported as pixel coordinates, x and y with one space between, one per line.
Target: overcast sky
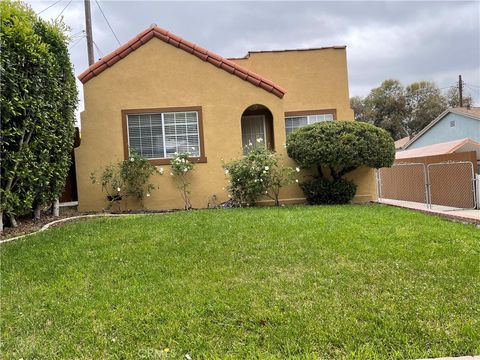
408 41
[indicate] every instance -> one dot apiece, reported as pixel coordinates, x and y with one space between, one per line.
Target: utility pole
88 28
460 90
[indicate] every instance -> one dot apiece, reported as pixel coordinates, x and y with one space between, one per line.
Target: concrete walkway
470 216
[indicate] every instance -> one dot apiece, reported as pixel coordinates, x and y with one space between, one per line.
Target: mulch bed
29 225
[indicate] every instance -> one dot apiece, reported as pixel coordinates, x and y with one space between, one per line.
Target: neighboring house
399 144
446 148
159 94
452 124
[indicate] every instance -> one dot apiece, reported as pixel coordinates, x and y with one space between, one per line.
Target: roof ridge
287 50
194 49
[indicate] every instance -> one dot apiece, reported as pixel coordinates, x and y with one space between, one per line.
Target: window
157 135
253 131
295 122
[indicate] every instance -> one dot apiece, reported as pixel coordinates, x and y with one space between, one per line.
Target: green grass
296 282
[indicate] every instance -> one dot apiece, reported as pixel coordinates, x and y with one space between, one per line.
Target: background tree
453 98
357 104
405 111
38 100
340 147
424 102
385 107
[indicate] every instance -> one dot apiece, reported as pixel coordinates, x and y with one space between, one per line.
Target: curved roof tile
170 38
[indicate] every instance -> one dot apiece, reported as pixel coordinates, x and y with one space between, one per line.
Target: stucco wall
158 75
442 131
314 79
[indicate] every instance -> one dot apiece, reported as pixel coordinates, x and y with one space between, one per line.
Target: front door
253 131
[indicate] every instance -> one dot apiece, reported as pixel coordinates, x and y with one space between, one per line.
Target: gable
451 126
201 53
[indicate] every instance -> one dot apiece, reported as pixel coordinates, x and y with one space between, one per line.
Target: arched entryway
257 127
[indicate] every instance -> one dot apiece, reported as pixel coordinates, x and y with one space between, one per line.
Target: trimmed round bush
335 148
322 191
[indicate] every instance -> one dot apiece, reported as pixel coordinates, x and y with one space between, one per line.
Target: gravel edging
53 223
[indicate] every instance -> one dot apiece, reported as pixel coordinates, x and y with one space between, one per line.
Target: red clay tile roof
174 40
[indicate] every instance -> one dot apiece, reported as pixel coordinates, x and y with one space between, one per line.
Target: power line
76 42
473 89
108 23
77 34
98 49
48 7
448 87
61 12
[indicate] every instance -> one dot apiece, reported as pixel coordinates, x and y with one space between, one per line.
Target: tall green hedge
38 101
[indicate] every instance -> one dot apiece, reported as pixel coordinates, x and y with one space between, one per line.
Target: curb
48 225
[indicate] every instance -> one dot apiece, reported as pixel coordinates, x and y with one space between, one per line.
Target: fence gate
448 184
452 184
404 181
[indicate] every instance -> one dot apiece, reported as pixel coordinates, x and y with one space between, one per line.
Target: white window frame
309 119
163 131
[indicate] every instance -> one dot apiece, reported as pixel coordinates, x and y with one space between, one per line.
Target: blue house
452 124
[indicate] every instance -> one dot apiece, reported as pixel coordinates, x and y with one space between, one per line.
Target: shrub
181 168
38 101
280 176
128 178
135 174
322 191
341 147
257 174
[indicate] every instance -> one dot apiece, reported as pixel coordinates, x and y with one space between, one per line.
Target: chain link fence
404 181
452 184
448 184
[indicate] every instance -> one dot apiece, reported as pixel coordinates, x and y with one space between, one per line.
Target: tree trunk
37 212
1 221
13 222
320 171
56 208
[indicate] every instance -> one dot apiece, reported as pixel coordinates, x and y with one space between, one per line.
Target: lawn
300 282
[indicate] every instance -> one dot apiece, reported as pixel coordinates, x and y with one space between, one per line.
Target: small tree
341 147
181 168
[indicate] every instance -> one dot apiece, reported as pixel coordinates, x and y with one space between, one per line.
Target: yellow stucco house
159 94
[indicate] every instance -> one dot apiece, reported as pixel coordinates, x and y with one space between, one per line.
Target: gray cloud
408 41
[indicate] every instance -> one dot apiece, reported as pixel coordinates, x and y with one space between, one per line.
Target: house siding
159 75
314 79
465 127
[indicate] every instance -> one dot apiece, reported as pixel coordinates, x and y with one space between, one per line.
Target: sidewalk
470 216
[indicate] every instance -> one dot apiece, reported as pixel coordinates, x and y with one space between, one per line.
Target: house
447 148
452 124
159 94
400 143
